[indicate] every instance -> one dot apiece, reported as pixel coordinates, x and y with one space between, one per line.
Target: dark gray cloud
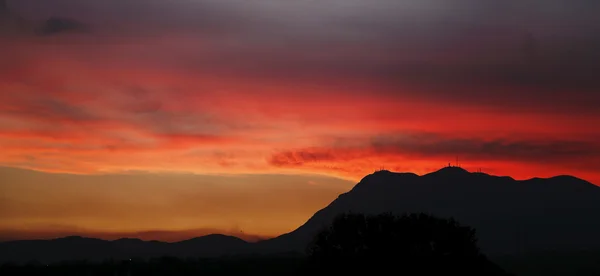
337 18
427 145
479 149
518 55
4 11
56 25
12 22
46 109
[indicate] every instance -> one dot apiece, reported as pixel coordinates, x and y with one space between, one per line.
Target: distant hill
511 217
80 248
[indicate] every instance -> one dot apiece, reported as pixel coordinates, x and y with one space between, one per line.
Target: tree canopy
418 243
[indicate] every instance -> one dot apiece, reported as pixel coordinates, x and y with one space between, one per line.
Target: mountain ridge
74 248
511 216
436 188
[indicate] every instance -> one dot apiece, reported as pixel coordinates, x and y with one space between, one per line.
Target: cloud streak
427 146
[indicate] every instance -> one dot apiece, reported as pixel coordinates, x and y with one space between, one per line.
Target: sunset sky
172 119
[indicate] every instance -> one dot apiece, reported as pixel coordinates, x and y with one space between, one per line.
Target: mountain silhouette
511 217
80 248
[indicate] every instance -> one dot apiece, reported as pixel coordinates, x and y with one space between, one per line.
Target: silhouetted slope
211 245
79 248
511 217
553 263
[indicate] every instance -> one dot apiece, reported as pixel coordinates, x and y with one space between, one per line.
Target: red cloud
144 104
424 152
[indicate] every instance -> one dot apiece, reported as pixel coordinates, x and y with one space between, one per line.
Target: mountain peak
502 209
382 172
452 170
215 237
383 176
448 171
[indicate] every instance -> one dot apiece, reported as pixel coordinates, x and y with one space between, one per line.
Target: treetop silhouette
414 242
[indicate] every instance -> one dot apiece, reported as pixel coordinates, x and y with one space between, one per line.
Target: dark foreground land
588 264
283 265
397 222
289 265
416 244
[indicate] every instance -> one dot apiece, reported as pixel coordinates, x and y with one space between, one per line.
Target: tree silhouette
415 244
